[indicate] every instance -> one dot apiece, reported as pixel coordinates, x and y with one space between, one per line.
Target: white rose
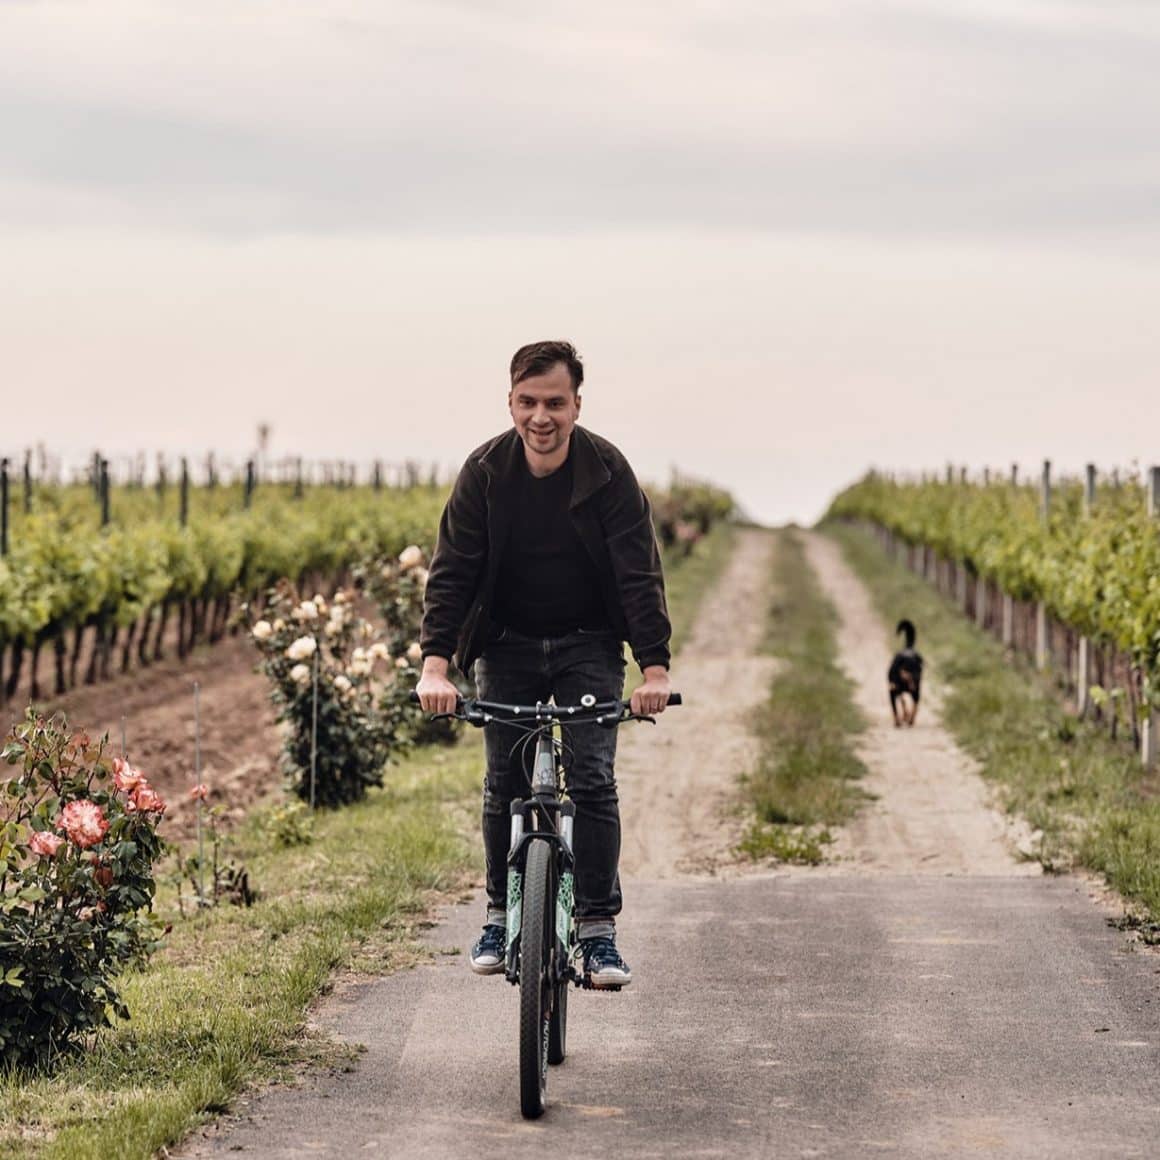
263 630
319 602
300 674
410 557
305 611
340 597
386 571
368 630
414 652
401 663
359 654
302 648
332 628
278 625
379 652
342 683
360 668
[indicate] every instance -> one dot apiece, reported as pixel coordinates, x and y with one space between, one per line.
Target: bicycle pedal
589 985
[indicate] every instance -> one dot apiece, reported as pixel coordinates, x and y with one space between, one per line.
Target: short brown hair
537 358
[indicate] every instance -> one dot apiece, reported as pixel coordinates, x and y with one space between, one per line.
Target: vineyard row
102 598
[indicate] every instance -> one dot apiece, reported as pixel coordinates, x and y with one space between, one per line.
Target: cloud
887 118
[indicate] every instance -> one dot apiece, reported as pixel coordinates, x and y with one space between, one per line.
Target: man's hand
651 697
436 692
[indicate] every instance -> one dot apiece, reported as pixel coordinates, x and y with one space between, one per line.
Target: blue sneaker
603 966
487 956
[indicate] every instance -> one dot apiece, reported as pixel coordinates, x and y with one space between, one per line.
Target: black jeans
518 670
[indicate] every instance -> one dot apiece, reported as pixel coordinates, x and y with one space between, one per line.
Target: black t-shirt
547 583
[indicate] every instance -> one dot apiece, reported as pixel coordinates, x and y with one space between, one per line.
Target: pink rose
45 843
84 823
146 799
199 793
125 777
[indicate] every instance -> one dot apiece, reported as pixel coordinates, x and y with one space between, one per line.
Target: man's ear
578 402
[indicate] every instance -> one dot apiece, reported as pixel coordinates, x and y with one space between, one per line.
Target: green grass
806 779
1090 799
688 578
225 1002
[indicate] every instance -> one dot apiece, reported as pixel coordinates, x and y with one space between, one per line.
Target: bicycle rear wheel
536 937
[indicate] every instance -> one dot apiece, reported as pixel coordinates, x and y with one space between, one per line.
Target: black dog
905 678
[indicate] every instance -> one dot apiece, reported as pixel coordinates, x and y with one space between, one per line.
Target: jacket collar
589 472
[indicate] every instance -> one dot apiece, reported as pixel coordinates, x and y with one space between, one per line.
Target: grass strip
225 1001
806 778
688 578
1089 800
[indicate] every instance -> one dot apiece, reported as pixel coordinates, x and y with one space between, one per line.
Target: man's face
544 409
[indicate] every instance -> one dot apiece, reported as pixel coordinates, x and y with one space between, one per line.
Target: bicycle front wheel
536 936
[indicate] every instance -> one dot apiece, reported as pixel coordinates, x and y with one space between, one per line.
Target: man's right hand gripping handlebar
435 690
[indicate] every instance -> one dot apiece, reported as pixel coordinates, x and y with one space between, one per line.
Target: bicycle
540 896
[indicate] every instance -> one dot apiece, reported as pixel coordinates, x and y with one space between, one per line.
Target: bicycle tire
537 932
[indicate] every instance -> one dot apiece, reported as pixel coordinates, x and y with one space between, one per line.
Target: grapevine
1097 571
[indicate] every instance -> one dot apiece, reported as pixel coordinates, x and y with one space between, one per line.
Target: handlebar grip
674 698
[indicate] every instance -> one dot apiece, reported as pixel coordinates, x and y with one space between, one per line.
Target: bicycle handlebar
483 712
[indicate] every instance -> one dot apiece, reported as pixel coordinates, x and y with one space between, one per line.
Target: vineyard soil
240 740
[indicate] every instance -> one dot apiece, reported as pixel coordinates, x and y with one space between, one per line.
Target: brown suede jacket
611 515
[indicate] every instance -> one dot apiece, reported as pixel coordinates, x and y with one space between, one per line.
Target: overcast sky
791 240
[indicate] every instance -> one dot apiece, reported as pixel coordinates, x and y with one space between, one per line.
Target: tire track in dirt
678 782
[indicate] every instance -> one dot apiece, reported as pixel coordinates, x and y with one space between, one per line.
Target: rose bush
362 691
78 845
397 585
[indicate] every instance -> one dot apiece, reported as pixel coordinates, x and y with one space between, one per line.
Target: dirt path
897 1004
932 814
677 781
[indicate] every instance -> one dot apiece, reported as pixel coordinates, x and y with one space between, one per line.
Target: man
546 563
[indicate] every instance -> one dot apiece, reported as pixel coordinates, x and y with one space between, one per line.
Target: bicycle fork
544 818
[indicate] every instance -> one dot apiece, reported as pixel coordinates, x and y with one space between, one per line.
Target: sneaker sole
605 982
487 968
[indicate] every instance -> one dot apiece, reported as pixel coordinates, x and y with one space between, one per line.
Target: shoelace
494 938
602 950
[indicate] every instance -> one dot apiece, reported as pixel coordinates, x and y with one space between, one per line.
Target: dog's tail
906 627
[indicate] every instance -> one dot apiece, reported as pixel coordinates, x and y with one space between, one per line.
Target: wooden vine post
1040 606
183 510
1008 601
1151 723
3 507
103 489
1083 678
